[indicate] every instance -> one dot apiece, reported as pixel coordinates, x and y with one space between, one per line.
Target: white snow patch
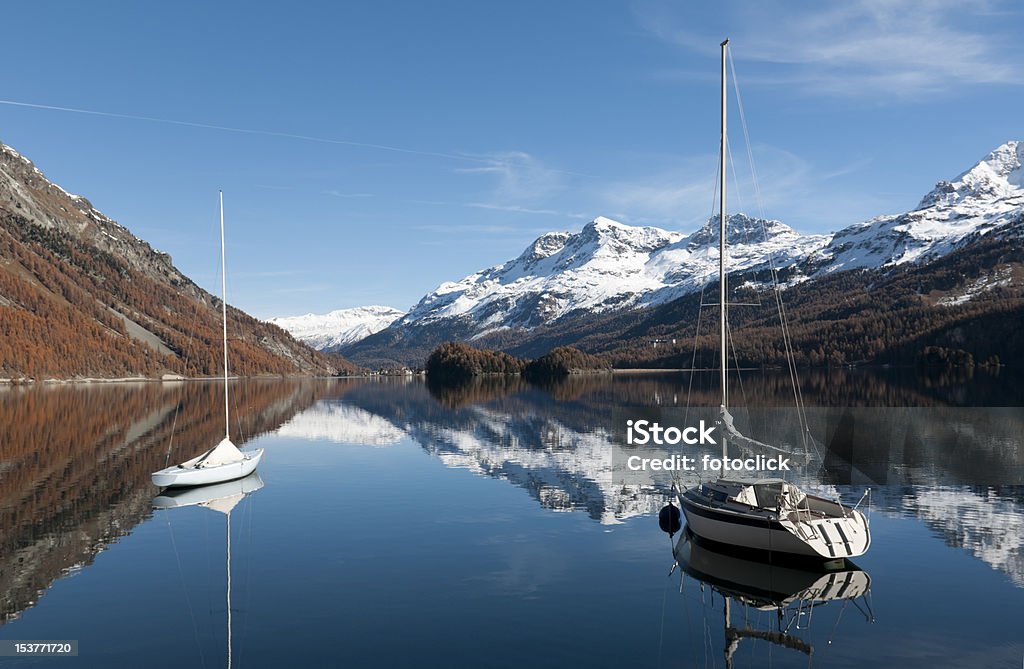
342 424
1001 277
340 327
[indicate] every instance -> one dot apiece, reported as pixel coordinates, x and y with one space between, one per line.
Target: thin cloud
270 274
520 174
244 131
336 193
516 209
510 208
878 49
844 170
792 189
522 184
516 242
456 228
518 177
302 290
667 197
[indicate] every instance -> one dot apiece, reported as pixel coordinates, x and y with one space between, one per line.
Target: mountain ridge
609 267
338 327
82 297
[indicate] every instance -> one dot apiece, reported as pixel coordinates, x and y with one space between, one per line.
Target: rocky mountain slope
609 277
81 296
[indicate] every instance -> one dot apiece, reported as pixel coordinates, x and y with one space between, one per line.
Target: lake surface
396 525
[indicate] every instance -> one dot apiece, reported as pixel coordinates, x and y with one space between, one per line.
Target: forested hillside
80 296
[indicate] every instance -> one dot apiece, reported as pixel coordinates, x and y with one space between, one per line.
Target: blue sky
369 151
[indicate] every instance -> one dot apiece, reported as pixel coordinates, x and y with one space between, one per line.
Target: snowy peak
609 266
337 328
601 234
1003 163
998 175
987 197
740 230
605 266
544 246
613 236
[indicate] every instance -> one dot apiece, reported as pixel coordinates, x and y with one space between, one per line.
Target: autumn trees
69 309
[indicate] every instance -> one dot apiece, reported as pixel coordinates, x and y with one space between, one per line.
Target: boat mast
224 315
721 247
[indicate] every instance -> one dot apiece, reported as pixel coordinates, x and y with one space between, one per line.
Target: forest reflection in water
75 460
879 427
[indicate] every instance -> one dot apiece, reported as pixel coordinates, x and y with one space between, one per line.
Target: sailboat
223 462
768 514
223 498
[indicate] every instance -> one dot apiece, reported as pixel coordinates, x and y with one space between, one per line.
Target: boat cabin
766 494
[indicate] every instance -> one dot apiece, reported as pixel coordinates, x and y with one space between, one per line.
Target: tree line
459 362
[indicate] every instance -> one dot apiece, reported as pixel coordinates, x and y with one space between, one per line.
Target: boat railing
867 495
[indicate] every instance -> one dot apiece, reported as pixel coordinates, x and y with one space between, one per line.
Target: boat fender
669 520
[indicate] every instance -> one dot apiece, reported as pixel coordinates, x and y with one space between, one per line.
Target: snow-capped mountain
610 266
337 328
985 197
606 266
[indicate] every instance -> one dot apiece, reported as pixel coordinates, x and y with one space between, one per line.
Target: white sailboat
223 462
768 514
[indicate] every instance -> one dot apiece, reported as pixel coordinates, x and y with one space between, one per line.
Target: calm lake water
395 525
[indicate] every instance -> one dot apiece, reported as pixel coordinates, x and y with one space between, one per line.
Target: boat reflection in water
763 582
223 497
220 497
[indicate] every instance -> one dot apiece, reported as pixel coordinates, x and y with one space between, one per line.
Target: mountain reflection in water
75 460
960 470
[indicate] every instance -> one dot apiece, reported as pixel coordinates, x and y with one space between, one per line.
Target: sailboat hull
178 476
823 537
745 530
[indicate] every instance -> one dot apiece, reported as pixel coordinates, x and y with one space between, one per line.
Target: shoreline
615 371
165 379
